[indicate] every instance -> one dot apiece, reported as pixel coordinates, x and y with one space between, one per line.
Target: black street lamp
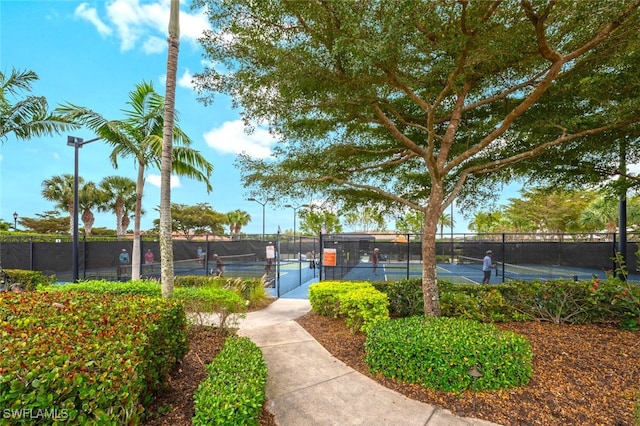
262 204
77 143
15 221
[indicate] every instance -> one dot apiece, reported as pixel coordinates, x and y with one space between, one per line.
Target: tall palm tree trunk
135 251
166 243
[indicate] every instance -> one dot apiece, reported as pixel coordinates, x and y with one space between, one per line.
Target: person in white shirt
487 266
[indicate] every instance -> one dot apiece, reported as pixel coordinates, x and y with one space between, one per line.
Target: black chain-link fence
546 255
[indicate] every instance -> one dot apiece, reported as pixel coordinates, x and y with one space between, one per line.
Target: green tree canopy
196 220
412 103
49 222
313 221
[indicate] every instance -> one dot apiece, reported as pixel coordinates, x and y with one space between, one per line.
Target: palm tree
237 219
139 136
89 198
166 246
445 221
28 117
59 189
120 198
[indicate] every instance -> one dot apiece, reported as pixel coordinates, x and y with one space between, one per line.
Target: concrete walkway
308 386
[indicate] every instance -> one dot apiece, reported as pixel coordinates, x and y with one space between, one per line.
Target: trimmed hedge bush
196 300
234 391
437 353
94 358
29 279
324 296
609 301
358 302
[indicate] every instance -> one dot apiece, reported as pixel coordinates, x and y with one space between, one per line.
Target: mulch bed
583 375
174 406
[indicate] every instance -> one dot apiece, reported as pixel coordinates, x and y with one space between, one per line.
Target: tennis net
521 272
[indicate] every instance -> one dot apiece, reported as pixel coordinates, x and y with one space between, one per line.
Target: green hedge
324 296
438 353
29 279
93 358
234 391
198 301
595 301
358 302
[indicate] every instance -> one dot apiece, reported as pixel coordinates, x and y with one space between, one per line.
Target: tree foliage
27 116
314 221
49 222
200 219
415 103
140 136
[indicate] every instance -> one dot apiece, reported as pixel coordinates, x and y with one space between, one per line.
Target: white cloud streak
142 23
231 138
155 181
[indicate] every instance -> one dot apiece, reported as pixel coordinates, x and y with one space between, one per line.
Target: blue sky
93 54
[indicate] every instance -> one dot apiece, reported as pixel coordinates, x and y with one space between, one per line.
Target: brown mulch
174 405
583 375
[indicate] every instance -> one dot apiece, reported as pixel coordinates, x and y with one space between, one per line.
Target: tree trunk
166 242
429 230
121 229
88 219
135 251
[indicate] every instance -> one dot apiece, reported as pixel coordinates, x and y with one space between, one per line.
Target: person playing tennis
487 266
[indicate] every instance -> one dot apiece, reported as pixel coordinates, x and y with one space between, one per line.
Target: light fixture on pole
263 204
295 209
15 221
76 143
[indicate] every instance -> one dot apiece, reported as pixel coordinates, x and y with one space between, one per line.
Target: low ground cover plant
94 358
234 391
439 352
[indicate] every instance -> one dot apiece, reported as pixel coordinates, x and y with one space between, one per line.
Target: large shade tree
411 103
140 136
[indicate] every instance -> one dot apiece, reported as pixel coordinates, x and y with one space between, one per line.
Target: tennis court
469 271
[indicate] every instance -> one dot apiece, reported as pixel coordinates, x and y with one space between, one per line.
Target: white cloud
146 22
155 181
154 45
186 80
91 14
231 138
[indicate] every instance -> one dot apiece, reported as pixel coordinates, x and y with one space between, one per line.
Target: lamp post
15 221
263 204
295 209
76 143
